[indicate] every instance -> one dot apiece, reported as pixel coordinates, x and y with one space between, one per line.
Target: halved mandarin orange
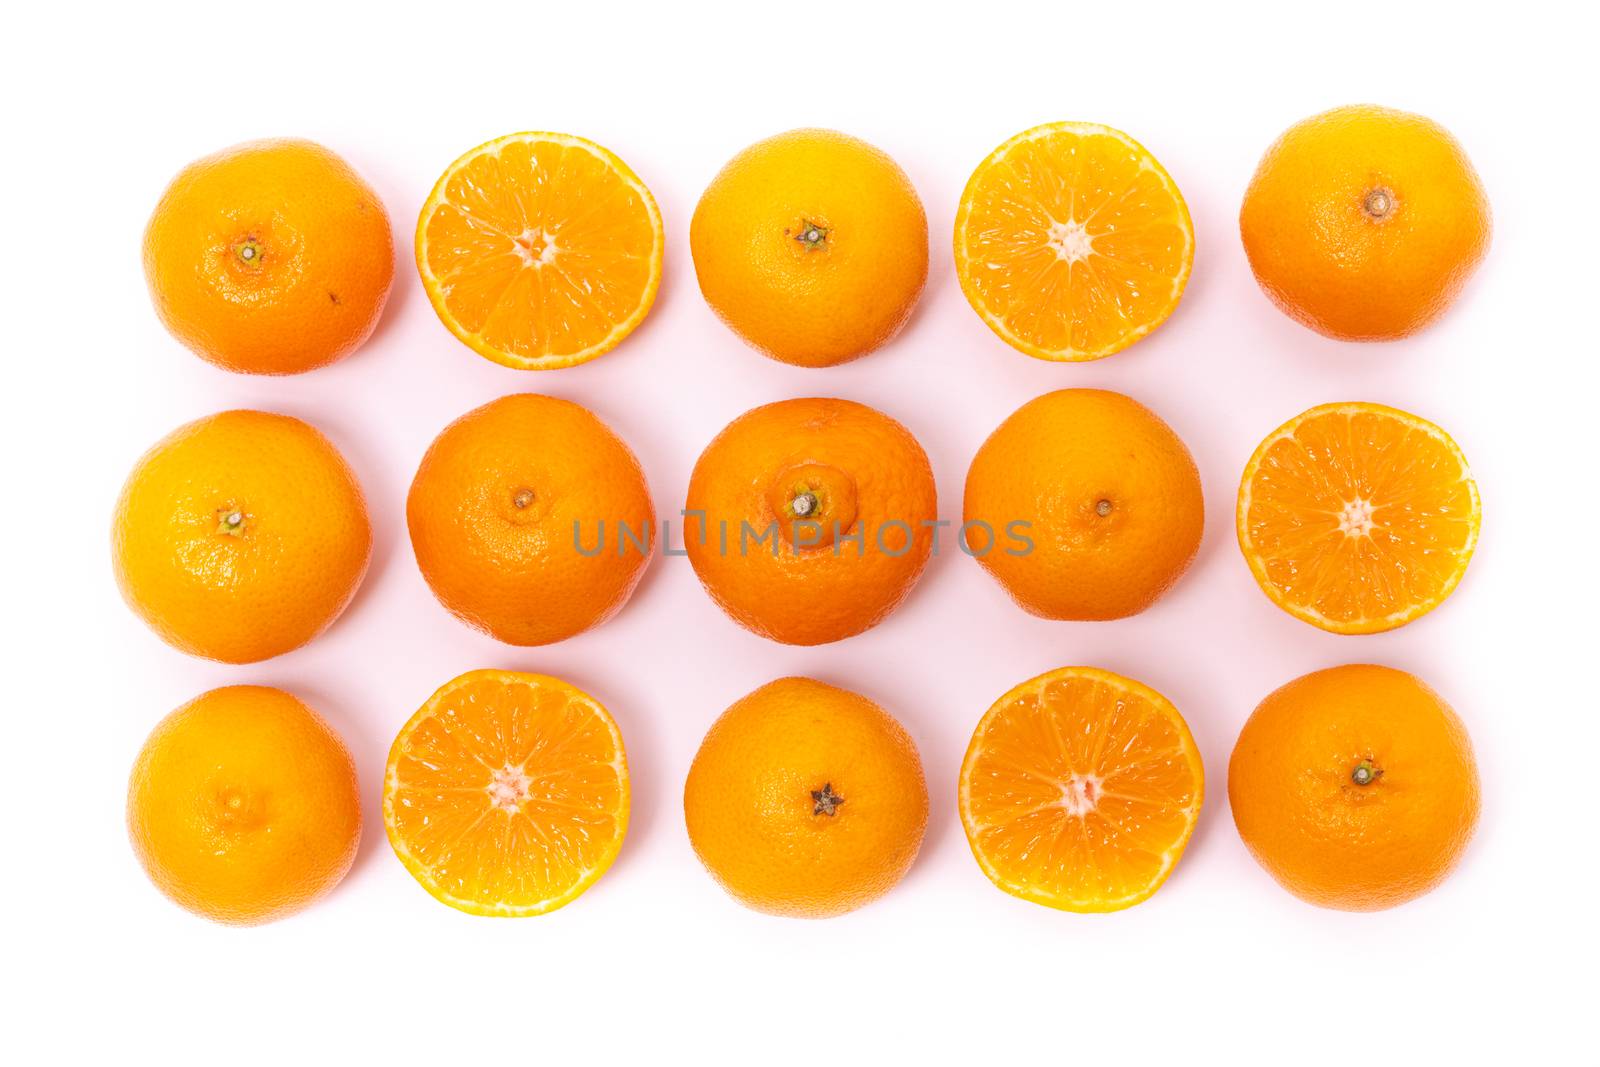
507 793
540 250
1357 517
1080 790
1072 242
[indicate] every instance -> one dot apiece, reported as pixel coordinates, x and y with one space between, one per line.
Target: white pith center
535 247
508 788
1071 240
1355 519
1080 794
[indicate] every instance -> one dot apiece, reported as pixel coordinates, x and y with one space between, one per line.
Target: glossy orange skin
294 562
1328 839
1054 464
869 476
751 800
243 806
1364 223
270 257
515 572
822 302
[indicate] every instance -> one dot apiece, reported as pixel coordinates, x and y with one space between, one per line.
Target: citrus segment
540 250
1080 790
507 793
1072 242
1357 517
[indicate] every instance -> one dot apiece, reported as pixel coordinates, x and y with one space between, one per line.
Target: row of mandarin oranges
544 250
509 794
244 535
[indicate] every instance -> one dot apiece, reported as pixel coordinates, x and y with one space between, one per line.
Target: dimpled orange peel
810 520
240 536
806 800
243 806
270 257
812 246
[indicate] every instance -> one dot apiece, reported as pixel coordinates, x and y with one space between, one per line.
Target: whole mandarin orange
270 257
1355 787
812 246
243 805
806 800
1364 223
1083 504
531 519
240 536
810 520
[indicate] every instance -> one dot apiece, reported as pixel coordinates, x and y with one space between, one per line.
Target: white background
103 107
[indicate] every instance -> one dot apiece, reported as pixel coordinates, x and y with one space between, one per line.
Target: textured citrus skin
492 511
1329 840
246 591
813 303
1112 497
1080 790
540 250
1364 223
270 257
507 793
243 805
1072 241
1358 518
872 484
765 768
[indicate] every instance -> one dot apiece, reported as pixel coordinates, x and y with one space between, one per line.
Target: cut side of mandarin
1072 242
1357 517
1080 789
507 793
540 250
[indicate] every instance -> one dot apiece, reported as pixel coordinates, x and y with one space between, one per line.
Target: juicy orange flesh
540 248
1033 209
1080 790
1360 516
509 795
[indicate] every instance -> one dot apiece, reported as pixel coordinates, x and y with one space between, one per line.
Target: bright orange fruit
1355 787
531 519
540 250
812 246
1364 223
1084 504
810 520
1080 790
806 800
507 794
243 805
1072 242
270 257
1357 517
240 536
